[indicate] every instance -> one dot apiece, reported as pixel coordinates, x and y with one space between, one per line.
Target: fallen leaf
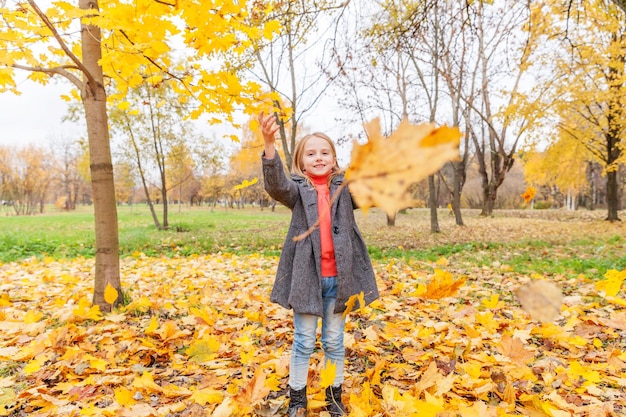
514 348
613 282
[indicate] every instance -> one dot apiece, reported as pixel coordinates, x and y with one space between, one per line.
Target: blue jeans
305 328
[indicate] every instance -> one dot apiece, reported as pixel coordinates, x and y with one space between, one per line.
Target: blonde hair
296 166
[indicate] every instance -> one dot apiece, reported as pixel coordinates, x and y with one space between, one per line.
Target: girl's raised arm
269 127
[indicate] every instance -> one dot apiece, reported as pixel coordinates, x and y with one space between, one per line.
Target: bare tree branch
62 71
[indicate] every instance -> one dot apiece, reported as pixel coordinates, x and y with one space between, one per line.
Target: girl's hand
269 127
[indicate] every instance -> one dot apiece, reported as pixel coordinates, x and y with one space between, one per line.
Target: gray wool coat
298 283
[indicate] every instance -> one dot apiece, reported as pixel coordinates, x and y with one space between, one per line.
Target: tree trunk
490 193
391 220
432 202
612 199
107 267
457 188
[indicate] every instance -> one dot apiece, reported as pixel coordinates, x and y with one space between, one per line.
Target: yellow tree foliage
563 164
140 40
587 89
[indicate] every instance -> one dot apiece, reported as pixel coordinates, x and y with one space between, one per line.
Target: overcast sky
36 115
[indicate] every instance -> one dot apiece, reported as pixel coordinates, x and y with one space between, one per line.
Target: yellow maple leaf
613 282
4 300
7 401
515 349
203 350
32 367
85 311
32 316
327 375
245 184
203 315
352 302
207 396
442 285
110 294
576 371
382 170
361 405
492 302
153 326
253 391
146 381
123 396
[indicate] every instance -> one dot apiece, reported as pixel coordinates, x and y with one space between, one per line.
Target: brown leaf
515 350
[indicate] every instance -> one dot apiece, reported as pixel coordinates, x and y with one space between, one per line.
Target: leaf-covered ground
199 337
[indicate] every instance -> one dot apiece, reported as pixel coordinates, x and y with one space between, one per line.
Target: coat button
336 230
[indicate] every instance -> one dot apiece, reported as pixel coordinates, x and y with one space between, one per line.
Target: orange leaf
442 285
514 348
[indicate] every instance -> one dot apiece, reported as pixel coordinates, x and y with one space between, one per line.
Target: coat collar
338 180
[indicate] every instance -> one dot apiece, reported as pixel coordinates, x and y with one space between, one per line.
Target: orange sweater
329 266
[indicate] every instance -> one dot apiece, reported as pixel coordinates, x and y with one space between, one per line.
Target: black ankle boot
297 402
333 400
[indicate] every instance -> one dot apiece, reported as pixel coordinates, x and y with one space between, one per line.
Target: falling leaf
352 302
382 170
245 184
327 375
110 294
529 194
541 299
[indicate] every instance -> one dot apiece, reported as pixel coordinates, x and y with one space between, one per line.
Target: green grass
204 230
196 231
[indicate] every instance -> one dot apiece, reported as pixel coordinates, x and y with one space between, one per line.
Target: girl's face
318 158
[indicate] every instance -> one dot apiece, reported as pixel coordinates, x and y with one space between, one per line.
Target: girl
316 274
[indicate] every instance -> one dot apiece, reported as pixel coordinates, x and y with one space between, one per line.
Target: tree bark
612 196
459 175
107 268
432 197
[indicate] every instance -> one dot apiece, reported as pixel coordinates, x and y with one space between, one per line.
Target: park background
165 165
